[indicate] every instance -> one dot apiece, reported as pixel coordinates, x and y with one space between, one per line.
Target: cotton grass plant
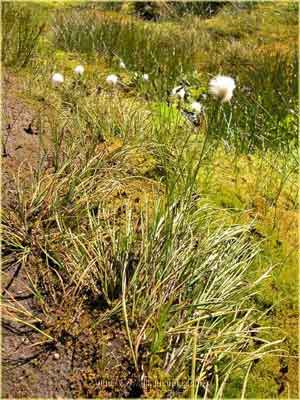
174 275
79 69
112 79
57 79
222 87
138 46
171 273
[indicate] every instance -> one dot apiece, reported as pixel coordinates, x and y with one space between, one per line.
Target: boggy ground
83 361
87 354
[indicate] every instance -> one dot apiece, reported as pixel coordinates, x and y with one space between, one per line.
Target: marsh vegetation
149 221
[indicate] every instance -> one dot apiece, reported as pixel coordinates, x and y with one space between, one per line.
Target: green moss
227 199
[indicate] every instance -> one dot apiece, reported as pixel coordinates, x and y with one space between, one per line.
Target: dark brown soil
81 362
84 359
21 146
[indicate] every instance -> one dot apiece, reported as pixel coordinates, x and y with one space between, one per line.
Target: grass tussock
174 247
21 31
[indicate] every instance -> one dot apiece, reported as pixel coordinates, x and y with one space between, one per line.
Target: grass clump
173 276
166 267
22 27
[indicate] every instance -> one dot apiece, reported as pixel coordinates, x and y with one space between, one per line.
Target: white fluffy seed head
197 107
122 64
112 79
146 77
57 79
178 91
79 70
222 87
181 93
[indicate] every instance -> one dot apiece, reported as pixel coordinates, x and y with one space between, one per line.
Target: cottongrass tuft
122 64
222 87
197 107
57 79
79 70
179 92
112 79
